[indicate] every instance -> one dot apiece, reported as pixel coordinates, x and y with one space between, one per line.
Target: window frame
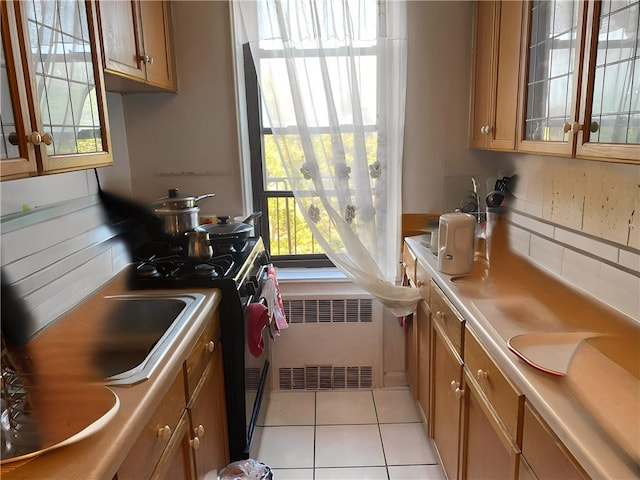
256 133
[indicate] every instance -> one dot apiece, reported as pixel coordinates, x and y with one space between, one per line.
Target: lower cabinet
208 433
176 461
488 450
186 437
481 424
544 453
423 390
151 445
447 395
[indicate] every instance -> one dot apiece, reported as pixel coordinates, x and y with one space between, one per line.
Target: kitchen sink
138 332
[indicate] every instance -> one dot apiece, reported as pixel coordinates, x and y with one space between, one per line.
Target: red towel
257 318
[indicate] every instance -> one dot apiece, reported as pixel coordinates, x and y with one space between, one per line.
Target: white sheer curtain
332 75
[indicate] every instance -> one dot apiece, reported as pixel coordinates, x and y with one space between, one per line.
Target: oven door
256 372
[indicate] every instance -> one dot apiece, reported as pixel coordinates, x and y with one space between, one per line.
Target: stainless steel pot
198 245
179 214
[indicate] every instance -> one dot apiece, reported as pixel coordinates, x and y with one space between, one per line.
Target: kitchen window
284 230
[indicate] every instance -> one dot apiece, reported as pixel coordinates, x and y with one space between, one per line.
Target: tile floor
350 435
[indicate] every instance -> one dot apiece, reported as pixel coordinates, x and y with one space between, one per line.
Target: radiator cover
331 343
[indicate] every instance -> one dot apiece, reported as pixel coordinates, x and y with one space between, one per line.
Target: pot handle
252 217
206 195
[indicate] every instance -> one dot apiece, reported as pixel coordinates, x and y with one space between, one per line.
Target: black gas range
239 275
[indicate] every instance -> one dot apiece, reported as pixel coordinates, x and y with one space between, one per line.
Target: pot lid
174 201
227 228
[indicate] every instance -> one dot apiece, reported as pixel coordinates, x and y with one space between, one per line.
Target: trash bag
249 469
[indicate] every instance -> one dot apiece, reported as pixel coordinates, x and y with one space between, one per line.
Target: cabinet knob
195 443
211 346
148 59
199 431
165 432
439 315
34 138
482 374
457 391
13 139
420 283
573 127
47 138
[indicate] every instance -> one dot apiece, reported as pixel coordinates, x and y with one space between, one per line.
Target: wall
437 112
189 140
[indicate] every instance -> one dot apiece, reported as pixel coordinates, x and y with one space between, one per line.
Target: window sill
286 275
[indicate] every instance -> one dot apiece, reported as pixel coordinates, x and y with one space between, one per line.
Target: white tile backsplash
593 246
620 289
55 256
598 267
547 253
629 259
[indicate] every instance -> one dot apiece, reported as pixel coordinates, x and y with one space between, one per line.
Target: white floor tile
287 447
395 406
416 472
291 408
292 473
352 473
407 444
345 408
348 446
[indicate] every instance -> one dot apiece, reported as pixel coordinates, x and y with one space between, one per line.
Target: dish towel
271 293
257 318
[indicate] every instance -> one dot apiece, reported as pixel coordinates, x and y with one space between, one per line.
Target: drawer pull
439 315
457 391
482 374
199 431
165 432
195 443
211 346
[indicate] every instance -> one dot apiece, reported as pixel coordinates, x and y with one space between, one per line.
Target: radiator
331 343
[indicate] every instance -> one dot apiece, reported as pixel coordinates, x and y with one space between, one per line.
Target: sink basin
137 333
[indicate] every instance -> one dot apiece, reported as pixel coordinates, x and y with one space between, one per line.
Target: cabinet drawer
544 452
505 399
422 281
409 263
447 318
202 353
156 434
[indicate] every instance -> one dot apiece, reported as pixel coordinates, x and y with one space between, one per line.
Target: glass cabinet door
610 118
552 65
66 83
17 159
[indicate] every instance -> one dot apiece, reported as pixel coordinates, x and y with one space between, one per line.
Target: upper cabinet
551 62
609 117
137 45
55 118
579 85
496 58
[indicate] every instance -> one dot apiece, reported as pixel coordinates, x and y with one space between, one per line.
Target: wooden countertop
65 345
510 296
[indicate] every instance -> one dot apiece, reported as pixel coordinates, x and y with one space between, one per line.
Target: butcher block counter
573 361
62 353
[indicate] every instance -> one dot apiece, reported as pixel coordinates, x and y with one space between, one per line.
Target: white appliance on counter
456 235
